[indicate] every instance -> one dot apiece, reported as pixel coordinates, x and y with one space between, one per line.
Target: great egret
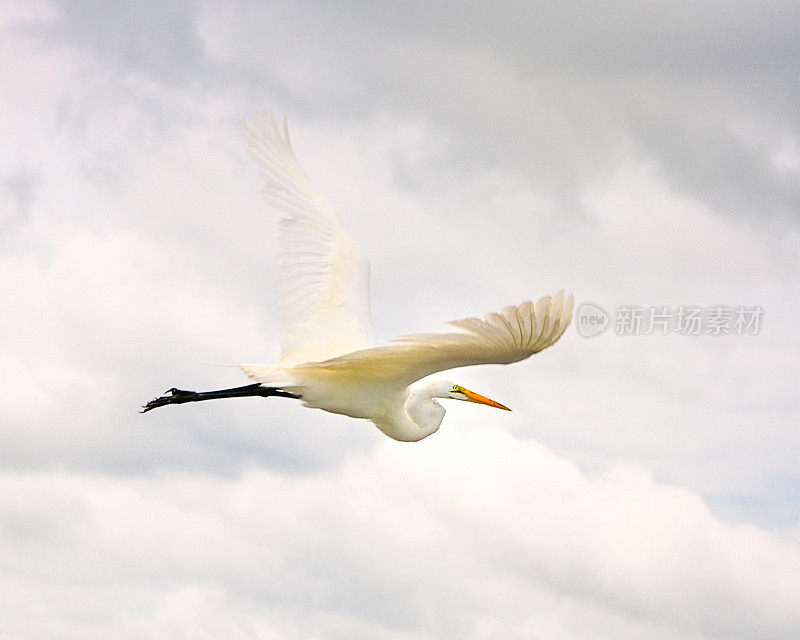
328 357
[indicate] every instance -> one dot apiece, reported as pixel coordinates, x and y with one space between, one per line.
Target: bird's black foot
172 396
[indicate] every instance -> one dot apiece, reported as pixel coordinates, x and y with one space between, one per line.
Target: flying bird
329 359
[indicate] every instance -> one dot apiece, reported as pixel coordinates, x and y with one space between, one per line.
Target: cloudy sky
636 154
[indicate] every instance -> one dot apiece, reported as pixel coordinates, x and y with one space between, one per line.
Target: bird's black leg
178 396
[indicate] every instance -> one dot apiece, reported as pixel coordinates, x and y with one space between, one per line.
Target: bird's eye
456 388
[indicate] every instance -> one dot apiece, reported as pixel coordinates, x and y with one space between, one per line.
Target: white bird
328 357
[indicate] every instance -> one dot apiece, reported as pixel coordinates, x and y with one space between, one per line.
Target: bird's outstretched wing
515 333
323 288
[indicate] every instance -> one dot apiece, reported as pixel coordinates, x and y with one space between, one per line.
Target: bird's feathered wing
515 333
323 293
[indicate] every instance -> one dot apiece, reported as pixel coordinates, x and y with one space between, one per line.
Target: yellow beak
476 397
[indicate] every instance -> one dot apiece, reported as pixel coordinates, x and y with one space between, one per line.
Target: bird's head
427 414
457 392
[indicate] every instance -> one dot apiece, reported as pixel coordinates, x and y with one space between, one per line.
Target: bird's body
328 357
407 413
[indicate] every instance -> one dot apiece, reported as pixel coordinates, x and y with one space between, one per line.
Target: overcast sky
635 154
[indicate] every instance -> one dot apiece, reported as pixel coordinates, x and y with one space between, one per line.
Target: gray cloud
579 88
158 39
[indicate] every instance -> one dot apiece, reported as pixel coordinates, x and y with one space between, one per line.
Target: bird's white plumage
323 289
328 357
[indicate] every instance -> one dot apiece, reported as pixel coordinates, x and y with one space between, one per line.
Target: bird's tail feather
269 374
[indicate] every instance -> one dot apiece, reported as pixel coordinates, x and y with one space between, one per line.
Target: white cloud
475 534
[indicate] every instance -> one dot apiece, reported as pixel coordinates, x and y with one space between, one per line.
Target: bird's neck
423 410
